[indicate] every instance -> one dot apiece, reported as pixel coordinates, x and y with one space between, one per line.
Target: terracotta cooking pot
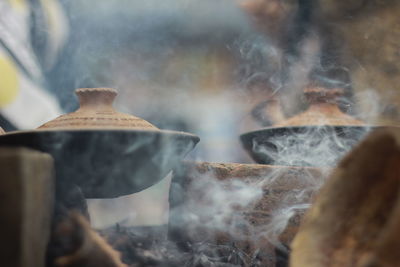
104 152
316 137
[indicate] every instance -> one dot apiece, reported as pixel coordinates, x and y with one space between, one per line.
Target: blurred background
174 64
200 66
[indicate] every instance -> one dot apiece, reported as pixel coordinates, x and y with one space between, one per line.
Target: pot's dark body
107 163
295 146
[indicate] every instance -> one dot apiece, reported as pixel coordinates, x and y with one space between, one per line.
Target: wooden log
78 245
193 181
26 194
355 220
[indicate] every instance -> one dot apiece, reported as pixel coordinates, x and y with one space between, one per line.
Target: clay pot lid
323 110
96 112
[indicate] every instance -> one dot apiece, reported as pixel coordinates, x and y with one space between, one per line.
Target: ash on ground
149 246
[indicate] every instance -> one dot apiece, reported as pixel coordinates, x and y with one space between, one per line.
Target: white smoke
213 204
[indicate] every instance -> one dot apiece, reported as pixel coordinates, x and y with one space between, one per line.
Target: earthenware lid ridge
96 112
323 110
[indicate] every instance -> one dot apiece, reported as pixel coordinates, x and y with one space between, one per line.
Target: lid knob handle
318 95
96 98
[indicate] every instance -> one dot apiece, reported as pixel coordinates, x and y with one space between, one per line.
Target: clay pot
322 124
104 152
